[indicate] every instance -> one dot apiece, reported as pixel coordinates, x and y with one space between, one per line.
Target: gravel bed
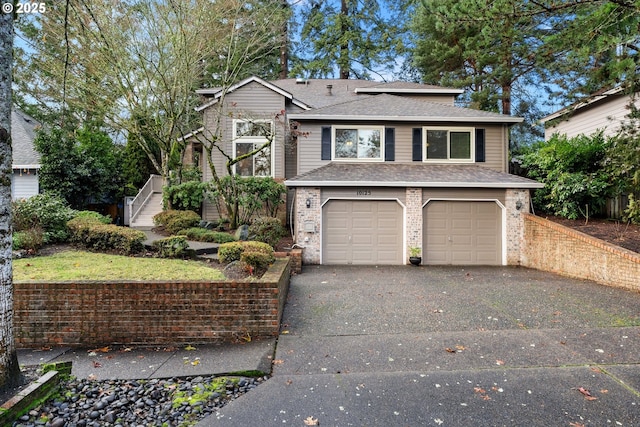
155 402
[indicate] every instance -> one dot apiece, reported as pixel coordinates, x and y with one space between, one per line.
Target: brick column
308 217
515 223
414 219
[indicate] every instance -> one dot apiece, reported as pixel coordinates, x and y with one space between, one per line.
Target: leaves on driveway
587 394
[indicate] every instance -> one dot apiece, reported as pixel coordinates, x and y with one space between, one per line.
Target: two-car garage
454 232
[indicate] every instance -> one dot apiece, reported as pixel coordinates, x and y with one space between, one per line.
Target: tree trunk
9 368
284 46
344 47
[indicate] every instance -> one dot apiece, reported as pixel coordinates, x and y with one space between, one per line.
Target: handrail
153 185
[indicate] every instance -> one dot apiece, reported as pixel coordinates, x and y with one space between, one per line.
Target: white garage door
463 233
362 232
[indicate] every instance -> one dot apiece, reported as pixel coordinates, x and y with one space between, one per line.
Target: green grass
79 265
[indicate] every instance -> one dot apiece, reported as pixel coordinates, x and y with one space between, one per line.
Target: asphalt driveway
409 346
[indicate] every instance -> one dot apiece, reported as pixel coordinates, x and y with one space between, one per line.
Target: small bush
233 251
267 230
174 221
257 260
186 196
50 213
28 240
172 247
229 252
94 235
104 219
204 235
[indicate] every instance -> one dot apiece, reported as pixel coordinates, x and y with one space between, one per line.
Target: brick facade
311 217
97 313
553 247
414 218
517 203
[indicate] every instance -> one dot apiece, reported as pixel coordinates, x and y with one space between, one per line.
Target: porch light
518 205
308 203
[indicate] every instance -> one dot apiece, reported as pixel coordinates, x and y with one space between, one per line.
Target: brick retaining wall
553 247
92 313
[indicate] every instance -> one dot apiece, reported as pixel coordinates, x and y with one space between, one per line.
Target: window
248 136
449 144
357 143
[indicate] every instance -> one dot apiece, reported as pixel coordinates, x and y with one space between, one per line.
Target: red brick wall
552 247
98 313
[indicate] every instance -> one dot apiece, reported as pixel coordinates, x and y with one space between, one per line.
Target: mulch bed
616 232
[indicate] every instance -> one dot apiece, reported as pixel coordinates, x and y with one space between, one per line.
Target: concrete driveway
417 346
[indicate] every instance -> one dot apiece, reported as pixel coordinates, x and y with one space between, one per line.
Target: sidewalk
163 362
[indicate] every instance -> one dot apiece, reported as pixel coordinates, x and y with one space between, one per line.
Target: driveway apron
481 346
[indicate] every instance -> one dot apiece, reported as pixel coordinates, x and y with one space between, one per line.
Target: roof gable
23 133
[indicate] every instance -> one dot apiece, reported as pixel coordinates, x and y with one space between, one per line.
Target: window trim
472 144
254 140
381 129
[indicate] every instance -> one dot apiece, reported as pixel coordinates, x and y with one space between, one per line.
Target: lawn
80 265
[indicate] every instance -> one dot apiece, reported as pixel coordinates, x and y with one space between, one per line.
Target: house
26 160
605 110
376 168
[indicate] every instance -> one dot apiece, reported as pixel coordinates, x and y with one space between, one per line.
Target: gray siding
309 147
25 186
606 115
254 101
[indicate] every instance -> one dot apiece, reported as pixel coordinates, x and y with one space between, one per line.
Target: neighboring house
604 110
26 160
376 168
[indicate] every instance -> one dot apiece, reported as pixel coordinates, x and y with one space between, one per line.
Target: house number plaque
363 192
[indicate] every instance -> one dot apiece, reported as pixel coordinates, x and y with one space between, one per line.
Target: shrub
103 219
267 230
172 247
28 240
204 235
48 212
94 235
257 260
233 251
173 220
186 196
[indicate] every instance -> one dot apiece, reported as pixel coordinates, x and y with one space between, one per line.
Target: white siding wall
25 186
605 115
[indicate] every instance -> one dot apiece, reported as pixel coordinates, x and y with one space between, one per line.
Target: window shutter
326 143
417 144
389 144
480 145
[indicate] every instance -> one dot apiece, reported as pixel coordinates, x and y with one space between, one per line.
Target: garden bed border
96 313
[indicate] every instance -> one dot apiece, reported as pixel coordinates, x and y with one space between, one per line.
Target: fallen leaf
195 362
100 350
289 382
499 362
310 421
450 350
91 377
576 425
284 332
278 362
189 348
604 391
587 395
97 364
460 347
479 390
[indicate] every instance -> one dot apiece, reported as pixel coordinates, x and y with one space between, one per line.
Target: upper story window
449 144
248 136
358 143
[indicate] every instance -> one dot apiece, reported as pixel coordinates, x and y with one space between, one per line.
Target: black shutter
326 143
389 144
480 157
417 144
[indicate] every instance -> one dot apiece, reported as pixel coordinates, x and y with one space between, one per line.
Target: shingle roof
389 174
23 132
393 107
314 92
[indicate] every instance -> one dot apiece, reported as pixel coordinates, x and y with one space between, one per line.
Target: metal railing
153 185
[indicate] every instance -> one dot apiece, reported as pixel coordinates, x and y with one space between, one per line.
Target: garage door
362 232
463 233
